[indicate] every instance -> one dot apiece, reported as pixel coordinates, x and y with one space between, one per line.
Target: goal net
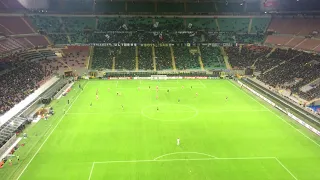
159 77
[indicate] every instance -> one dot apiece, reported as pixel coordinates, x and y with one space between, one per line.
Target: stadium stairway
137 58
90 57
113 63
26 39
225 58
273 49
24 20
173 59
217 23
97 22
154 59
299 43
200 58
250 25
64 29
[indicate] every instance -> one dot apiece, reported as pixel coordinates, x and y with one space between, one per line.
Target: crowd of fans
163 58
280 68
103 57
241 57
211 57
186 58
66 30
145 58
17 84
125 58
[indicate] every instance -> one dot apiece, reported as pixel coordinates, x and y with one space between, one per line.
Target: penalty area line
91 170
191 159
286 168
50 133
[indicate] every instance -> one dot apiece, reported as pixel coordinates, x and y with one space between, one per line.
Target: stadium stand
75 57
15 25
125 58
211 57
163 58
109 7
207 24
145 58
245 56
289 26
78 24
103 57
200 7
173 7
185 59
140 7
19 83
49 24
259 25
169 23
239 25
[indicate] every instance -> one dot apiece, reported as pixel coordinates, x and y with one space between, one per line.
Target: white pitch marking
279 117
50 134
184 153
208 111
286 168
91 170
197 159
202 84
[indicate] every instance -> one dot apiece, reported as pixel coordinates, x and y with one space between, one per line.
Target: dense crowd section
68 30
280 68
17 84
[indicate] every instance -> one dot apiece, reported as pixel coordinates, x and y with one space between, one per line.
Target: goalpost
159 77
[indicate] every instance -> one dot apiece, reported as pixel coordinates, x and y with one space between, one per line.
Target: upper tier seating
296 26
15 25
239 25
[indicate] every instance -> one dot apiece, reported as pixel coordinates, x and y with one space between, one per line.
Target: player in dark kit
91 104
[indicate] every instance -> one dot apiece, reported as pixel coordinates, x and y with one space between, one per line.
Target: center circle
169 112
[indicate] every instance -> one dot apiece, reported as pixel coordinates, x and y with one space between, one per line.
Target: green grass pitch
239 138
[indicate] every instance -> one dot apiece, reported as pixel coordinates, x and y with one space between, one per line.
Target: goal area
159 77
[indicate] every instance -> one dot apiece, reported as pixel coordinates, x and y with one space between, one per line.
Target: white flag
155 25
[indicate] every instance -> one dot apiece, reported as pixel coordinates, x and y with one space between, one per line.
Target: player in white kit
178 141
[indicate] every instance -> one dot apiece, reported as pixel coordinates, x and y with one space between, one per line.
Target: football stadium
160 89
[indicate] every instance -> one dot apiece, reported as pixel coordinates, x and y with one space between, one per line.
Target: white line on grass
277 116
91 170
181 111
50 133
202 84
184 153
196 159
286 168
